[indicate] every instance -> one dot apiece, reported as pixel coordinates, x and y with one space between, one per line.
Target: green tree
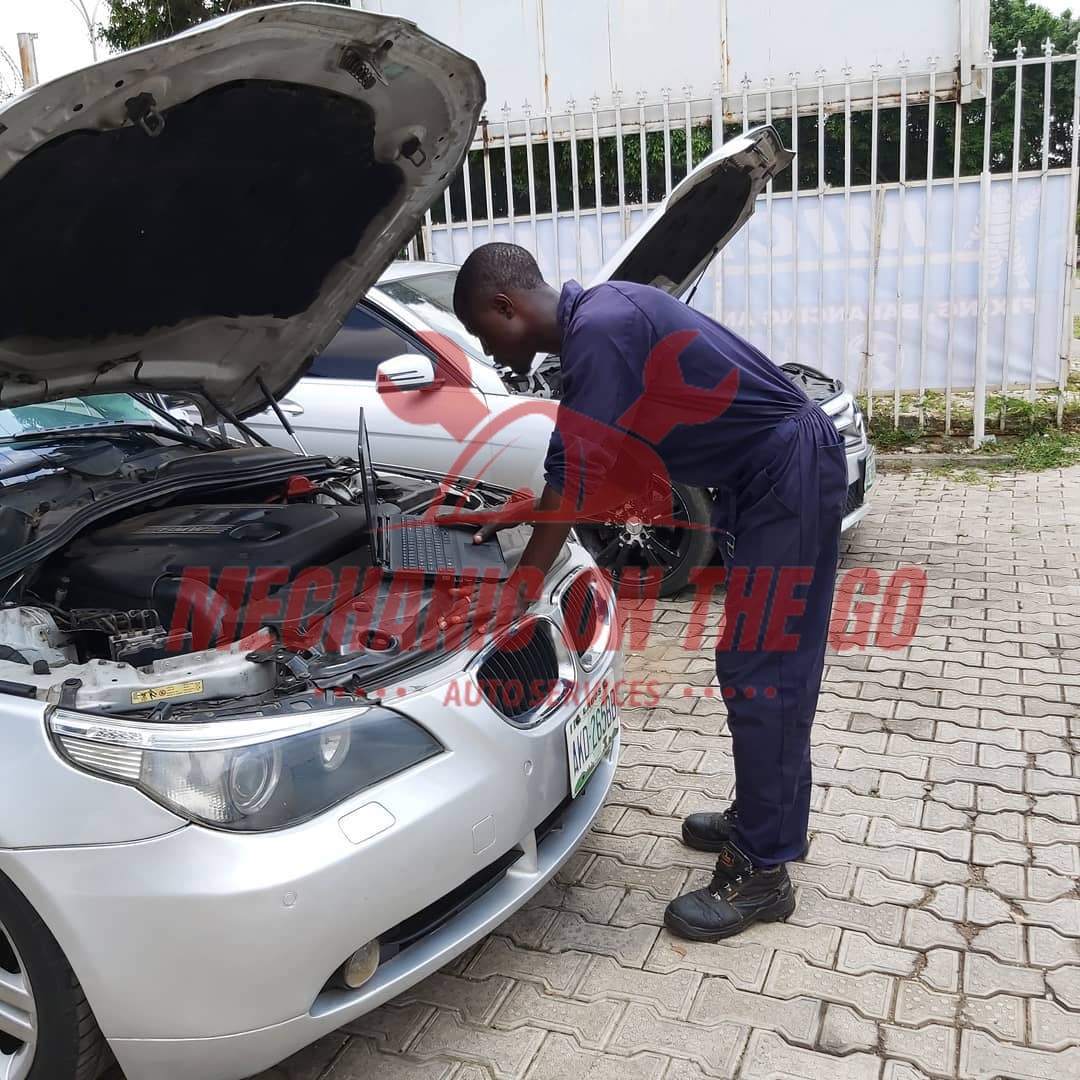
132 23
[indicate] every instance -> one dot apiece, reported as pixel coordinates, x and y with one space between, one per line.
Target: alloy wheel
18 1014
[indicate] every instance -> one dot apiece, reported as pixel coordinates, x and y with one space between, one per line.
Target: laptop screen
367 475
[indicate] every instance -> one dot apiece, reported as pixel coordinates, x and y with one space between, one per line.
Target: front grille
521 673
580 616
854 496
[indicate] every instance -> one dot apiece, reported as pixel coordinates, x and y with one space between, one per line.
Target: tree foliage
132 23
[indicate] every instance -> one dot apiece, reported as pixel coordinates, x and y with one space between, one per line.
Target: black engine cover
139 563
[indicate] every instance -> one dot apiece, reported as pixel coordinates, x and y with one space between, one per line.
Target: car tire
68 1042
695 545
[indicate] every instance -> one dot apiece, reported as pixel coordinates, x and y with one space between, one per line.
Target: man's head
502 299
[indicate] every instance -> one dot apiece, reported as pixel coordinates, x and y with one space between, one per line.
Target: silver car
244 798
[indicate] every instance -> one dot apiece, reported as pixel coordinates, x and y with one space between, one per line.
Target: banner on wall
925 271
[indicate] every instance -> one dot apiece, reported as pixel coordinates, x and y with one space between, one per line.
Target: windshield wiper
80 431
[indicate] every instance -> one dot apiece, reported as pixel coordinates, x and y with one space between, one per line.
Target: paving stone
1008 778
901 811
1041 830
1061 858
671 994
311 1063
947 902
817 943
1001 1016
984 977
922 930
897 862
561 1057
529 1007
912 768
860 955
1009 881
360 1060
883 922
991 800
1065 808
1007 825
1063 914
932 1047
870 995
961 753
1065 983
746 965
836 881
1052 1027
952 844
931 869
768 1057
716 1046
798 1020
652 802
1049 949
1007 739
639 908
393 1027
642 823
902 1070
475 999
558 973
628 945
938 816
984 1058
844 1031
916 1005
710 789
893 786
527 926
663 882
988 850
873 887
942 970
1004 941
594 904
506 1053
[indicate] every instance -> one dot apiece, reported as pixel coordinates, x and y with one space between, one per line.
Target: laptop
411 542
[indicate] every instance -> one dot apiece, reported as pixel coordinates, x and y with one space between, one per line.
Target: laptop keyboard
424 546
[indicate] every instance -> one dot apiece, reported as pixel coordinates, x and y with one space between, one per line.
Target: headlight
248 775
588 609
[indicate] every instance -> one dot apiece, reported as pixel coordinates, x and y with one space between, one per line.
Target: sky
62 44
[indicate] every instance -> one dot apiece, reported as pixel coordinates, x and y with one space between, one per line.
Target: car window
75 412
431 297
360 346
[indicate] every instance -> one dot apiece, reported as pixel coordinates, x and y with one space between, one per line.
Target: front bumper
209 954
862 467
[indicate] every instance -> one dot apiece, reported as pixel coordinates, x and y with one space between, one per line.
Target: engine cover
140 563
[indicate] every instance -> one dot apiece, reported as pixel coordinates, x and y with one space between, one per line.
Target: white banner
836 269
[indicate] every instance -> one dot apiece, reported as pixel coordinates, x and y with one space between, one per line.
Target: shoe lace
732 869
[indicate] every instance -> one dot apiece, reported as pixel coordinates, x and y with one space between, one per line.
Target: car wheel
675 547
47 1030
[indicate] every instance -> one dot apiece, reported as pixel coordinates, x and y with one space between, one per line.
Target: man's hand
517 510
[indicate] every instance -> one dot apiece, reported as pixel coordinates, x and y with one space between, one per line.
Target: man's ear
503 305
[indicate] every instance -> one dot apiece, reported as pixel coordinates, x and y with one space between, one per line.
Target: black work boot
739 895
711 832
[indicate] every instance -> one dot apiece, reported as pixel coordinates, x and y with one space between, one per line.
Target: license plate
871 471
589 735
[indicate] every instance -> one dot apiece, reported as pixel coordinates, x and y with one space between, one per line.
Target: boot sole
779 911
714 846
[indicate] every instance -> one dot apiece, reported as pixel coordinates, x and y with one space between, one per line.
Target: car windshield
75 412
431 298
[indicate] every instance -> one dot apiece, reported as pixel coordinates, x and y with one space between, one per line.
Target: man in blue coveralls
639 367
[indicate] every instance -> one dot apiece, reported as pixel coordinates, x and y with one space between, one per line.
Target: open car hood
199 215
703 212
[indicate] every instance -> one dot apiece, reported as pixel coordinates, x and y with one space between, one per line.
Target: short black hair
493 268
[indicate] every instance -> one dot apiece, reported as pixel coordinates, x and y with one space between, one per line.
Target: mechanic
640 366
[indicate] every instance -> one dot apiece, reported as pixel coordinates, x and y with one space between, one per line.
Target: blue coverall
778 465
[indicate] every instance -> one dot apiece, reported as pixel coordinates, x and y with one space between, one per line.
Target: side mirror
408 372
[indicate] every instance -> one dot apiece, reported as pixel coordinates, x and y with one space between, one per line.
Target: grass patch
886 437
1051 450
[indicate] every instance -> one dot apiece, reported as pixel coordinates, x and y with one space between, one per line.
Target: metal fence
920 249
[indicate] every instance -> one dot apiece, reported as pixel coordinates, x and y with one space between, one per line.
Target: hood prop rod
280 415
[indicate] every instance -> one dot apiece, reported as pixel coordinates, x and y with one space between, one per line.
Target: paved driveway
938 925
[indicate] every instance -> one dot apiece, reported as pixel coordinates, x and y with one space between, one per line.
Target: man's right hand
515 511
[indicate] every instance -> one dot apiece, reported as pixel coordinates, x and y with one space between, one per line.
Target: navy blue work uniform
778 465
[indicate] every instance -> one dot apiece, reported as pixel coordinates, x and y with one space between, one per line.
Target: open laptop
409 542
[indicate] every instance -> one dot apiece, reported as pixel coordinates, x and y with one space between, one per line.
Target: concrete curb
935 461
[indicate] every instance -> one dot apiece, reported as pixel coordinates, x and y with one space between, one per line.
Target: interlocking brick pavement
938 926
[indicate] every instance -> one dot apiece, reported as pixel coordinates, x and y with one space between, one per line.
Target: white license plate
589 734
871 471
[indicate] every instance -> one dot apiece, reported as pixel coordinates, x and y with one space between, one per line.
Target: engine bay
256 596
